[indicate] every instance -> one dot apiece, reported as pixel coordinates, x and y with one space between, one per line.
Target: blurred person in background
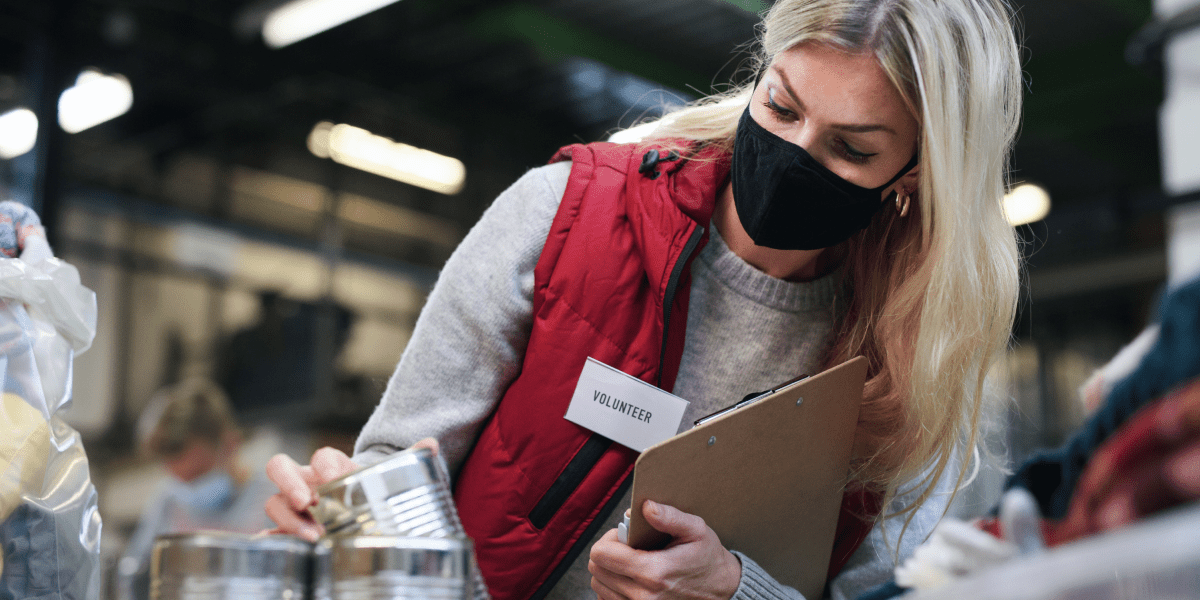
190 428
846 202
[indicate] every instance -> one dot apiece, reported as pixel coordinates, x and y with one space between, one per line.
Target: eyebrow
854 128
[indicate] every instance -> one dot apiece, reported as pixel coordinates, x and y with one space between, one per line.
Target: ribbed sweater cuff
756 584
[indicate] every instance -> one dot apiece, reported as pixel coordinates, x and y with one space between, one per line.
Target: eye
852 154
778 111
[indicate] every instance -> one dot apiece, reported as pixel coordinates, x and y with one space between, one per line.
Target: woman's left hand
693 566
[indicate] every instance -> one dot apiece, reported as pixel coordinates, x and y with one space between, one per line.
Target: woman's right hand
298 487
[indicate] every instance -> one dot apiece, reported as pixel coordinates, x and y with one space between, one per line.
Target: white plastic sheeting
49 523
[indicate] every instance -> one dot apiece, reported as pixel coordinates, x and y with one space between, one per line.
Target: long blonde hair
933 298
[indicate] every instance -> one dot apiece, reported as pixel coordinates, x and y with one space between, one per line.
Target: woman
847 203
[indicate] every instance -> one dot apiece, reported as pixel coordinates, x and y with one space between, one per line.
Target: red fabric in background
1133 459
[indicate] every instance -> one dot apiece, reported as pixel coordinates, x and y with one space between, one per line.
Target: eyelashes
777 110
849 153
840 146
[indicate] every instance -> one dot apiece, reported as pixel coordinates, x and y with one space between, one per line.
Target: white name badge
624 409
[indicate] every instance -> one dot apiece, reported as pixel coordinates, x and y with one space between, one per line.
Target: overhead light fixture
1027 203
363 150
18 132
94 99
299 19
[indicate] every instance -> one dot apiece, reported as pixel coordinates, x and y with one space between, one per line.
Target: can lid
376 487
234 541
399 461
222 554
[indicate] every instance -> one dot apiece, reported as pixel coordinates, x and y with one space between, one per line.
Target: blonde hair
933 298
195 409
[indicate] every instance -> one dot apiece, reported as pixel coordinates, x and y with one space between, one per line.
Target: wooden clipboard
768 477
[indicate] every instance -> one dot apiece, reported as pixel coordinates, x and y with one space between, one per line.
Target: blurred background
262 192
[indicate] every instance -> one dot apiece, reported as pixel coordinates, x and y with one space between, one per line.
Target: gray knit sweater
746 331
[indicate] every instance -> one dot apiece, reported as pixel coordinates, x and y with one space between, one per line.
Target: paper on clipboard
768 478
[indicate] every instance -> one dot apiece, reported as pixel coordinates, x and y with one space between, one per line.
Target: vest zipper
587 457
588 533
562 488
672 288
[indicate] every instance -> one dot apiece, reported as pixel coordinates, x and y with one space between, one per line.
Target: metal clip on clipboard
748 400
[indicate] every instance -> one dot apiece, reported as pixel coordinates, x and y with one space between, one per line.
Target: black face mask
786 200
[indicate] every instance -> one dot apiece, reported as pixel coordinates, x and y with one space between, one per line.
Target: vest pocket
566 484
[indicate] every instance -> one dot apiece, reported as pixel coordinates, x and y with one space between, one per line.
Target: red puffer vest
612 283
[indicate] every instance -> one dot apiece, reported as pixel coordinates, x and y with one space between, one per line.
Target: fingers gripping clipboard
767 478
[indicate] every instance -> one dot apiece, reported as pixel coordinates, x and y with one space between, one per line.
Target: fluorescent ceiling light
18 132
299 19
1027 203
361 149
94 99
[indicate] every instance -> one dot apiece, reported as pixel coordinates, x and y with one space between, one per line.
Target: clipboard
768 477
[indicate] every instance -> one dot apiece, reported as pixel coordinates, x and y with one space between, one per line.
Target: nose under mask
787 200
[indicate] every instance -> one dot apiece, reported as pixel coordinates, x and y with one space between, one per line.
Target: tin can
393 568
229 566
406 495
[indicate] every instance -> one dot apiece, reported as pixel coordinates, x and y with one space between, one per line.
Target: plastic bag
49 522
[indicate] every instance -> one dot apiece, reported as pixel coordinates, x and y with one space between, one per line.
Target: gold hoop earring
902 203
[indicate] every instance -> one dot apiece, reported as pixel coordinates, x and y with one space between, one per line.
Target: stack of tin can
392 533
405 502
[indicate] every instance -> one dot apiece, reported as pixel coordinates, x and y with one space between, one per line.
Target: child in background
191 429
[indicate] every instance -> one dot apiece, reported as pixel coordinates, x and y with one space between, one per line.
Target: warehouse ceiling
500 85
